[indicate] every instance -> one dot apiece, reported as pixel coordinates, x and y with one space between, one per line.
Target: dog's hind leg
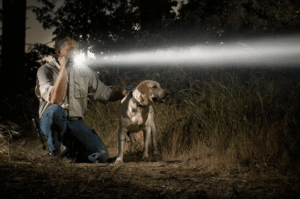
132 140
153 130
147 133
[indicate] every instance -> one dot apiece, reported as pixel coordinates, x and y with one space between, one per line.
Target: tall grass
216 116
240 117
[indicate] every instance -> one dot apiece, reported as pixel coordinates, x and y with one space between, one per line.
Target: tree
12 63
204 13
104 25
153 12
265 15
97 23
268 15
13 47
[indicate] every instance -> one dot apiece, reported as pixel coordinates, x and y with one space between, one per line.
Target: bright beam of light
265 52
91 55
79 59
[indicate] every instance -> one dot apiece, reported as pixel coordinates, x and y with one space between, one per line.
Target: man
62 88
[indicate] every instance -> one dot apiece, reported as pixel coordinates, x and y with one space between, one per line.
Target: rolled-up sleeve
97 90
45 83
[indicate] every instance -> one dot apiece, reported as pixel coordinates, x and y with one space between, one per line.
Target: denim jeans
59 129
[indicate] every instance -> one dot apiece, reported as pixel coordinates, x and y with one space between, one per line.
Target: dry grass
238 117
244 117
231 128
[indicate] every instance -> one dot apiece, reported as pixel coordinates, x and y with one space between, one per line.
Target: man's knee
55 111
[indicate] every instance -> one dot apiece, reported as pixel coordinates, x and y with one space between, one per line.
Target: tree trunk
13 51
13 47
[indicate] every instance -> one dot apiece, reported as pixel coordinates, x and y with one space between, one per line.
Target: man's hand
128 89
63 60
59 88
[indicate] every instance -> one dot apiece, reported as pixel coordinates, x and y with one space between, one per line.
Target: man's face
69 50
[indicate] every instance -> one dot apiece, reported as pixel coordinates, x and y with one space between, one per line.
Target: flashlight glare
79 59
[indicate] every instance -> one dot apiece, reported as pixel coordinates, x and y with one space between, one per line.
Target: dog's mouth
161 100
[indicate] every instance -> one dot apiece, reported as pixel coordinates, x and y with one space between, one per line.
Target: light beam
281 51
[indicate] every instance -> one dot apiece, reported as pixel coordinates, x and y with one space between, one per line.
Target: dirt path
137 180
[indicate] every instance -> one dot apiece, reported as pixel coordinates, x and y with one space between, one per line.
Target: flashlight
79 58
70 61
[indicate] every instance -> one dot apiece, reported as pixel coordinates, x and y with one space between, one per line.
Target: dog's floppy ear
144 89
142 93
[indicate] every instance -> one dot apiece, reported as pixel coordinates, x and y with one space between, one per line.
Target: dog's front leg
132 140
122 132
147 133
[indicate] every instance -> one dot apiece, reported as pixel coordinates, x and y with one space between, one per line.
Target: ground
48 177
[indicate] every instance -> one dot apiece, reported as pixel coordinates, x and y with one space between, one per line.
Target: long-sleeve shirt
81 83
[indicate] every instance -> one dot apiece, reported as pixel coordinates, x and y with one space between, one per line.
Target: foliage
265 15
107 27
99 23
271 15
33 60
204 13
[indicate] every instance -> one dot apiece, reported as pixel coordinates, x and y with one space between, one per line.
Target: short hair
61 38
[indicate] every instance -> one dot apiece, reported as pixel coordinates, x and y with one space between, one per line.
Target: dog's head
149 90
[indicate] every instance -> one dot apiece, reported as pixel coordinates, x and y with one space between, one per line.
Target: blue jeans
75 134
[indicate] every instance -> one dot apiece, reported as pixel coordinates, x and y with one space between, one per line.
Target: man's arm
116 95
100 92
59 89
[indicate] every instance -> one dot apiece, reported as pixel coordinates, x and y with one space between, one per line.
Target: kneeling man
62 88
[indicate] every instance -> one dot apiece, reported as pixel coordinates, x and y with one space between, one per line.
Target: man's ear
57 51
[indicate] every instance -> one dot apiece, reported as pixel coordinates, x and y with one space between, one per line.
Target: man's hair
61 38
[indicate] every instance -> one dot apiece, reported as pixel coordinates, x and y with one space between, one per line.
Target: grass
229 116
220 121
244 117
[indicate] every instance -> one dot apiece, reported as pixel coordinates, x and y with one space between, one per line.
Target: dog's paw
119 161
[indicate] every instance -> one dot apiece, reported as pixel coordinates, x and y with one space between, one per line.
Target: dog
136 113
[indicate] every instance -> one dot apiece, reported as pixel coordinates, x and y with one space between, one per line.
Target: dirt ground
47 177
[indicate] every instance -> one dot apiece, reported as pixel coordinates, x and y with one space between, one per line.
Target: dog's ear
142 93
143 88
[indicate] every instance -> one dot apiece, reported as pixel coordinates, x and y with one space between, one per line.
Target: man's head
66 45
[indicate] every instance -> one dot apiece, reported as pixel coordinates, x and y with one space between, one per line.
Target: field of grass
223 116
216 120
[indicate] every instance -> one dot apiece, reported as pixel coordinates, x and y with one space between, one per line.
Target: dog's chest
138 115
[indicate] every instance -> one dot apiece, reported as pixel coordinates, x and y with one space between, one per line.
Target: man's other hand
128 89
